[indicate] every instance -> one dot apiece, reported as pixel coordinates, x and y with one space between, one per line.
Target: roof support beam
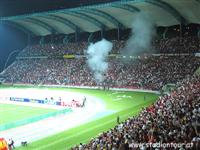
105 15
127 7
88 18
41 24
64 21
167 7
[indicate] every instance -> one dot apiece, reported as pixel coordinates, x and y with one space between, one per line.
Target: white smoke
143 31
97 54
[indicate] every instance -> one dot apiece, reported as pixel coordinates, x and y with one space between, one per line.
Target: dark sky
17 7
10 40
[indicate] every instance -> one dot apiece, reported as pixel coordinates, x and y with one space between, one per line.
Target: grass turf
126 104
11 113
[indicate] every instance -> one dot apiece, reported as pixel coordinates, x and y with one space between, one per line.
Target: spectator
168 120
148 73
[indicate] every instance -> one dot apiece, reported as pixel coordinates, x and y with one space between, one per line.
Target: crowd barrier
87 87
72 56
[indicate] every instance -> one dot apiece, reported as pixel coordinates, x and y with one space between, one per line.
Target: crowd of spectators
188 44
173 118
64 49
148 73
54 49
151 72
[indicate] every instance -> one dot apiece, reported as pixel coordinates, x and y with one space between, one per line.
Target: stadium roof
107 16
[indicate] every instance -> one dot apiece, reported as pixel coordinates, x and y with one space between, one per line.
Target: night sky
10 40
18 7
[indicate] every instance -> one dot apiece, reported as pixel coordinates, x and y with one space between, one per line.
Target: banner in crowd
69 56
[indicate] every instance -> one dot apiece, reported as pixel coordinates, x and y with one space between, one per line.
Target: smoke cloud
143 30
97 54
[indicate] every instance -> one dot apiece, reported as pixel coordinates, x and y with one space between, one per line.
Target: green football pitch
11 113
123 103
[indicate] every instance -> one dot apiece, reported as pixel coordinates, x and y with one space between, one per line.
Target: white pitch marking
41 129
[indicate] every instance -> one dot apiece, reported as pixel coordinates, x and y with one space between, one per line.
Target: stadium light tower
9 56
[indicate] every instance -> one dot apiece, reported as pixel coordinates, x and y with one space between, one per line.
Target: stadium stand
44 64
174 118
187 44
54 49
147 73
